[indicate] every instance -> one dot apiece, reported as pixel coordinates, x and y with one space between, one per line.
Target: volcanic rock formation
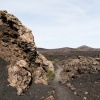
74 67
18 48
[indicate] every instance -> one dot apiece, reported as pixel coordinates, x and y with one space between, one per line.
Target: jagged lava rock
74 67
17 47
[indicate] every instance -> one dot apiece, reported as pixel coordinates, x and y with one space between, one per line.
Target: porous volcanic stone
18 48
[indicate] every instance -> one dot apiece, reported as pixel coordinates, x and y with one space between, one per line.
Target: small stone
75 93
68 84
53 91
50 98
95 82
72 88
86 93
42 98
84 98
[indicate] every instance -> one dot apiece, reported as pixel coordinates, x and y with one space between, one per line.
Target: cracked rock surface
18 48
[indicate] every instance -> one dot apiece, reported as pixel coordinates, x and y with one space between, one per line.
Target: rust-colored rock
17 47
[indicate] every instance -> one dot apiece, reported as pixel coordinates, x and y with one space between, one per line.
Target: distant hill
84 47
64 49
67 52
42 49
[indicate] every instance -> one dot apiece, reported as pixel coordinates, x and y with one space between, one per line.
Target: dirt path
62 92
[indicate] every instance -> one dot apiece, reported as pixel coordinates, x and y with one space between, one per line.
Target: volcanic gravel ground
87 86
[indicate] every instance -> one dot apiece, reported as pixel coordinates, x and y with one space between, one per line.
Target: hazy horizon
69 47
59 23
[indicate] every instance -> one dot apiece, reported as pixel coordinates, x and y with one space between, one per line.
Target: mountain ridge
82 47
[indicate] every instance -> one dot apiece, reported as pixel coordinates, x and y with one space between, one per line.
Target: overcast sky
59 23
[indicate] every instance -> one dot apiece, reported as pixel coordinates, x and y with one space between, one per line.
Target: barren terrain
68 84
25 74
81 70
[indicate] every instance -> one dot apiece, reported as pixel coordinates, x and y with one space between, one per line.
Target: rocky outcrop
17 47
75 67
